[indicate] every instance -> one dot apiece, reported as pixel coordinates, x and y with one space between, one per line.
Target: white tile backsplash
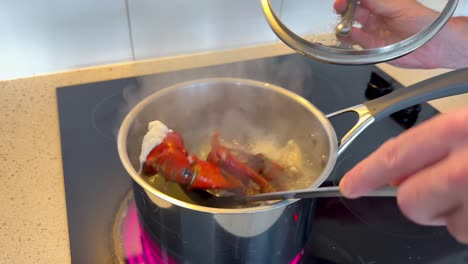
46 36
164 28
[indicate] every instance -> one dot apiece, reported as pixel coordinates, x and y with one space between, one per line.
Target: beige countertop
33 223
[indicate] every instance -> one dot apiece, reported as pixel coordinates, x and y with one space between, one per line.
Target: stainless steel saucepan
247 111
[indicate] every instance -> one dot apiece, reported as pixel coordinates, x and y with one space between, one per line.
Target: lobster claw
222 157
169 155
224 169
265 167
170 159
206 175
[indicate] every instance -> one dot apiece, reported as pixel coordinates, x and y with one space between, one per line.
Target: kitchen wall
45 36
40 37
165 28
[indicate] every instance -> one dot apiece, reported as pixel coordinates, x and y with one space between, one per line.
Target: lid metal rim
368 56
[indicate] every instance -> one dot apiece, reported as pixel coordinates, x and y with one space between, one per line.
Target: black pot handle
444 85
447 84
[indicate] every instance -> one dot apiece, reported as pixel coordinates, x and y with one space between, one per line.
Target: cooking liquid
299 172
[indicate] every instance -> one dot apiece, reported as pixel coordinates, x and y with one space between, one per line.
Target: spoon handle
319 192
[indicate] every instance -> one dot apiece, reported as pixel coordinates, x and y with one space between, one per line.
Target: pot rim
123 133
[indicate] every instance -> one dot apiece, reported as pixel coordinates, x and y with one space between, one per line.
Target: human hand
429 163
387 22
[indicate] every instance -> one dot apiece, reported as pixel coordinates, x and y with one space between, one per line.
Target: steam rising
289 73
241 125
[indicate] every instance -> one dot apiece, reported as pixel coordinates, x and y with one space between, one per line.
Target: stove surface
363 231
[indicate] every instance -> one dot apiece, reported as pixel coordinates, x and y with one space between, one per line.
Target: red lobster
223 168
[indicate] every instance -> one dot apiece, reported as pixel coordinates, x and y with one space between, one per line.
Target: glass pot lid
345 32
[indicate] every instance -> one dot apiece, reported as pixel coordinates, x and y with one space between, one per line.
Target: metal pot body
189 236
188 229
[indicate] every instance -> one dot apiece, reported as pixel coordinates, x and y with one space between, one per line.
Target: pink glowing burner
135 246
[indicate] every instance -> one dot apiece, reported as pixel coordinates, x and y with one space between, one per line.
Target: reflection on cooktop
372 230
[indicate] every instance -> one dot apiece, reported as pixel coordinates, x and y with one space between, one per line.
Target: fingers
438 195
403 16
387 8
360 14
407 154
457 224
430 195
430 162
363 36
377 7
339 6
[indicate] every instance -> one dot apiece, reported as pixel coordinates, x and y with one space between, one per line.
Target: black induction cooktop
362 231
